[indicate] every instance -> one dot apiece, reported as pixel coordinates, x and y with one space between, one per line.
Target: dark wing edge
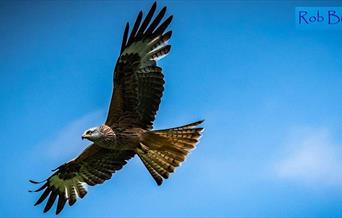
138 81
70 180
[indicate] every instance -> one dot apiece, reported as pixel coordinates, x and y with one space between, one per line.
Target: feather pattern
93 166
162 151
138 81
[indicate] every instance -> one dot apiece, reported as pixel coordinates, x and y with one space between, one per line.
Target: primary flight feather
138 88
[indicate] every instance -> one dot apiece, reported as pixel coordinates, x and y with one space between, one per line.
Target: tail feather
187 126
158 161
161 160
173 157
150 169
162 151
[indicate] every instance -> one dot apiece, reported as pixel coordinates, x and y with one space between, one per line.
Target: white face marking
92 134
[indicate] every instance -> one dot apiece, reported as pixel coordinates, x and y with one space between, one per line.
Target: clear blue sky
270 94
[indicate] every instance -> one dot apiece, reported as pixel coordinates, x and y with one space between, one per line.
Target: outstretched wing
93 166
138 81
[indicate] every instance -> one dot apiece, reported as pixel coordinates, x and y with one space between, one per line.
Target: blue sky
270 94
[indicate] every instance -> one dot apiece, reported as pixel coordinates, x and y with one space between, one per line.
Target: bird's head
98 134
92 134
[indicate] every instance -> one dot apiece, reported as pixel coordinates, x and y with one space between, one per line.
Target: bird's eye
88 132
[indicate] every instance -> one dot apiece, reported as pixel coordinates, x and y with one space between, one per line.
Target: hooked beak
84 136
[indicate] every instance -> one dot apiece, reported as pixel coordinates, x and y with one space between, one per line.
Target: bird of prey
137 92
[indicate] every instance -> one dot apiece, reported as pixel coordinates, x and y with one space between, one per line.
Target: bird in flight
137 92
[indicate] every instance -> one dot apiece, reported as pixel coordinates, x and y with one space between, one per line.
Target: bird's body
128 130
116 138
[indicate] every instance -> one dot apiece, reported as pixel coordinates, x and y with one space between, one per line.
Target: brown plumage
138 88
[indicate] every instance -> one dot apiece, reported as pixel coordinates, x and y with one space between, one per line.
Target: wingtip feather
35 182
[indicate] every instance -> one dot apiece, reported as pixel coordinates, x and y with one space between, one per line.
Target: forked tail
163 150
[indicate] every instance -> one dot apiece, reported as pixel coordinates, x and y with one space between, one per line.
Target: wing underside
69 182
138 81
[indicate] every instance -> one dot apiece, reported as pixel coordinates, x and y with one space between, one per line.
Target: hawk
137 92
